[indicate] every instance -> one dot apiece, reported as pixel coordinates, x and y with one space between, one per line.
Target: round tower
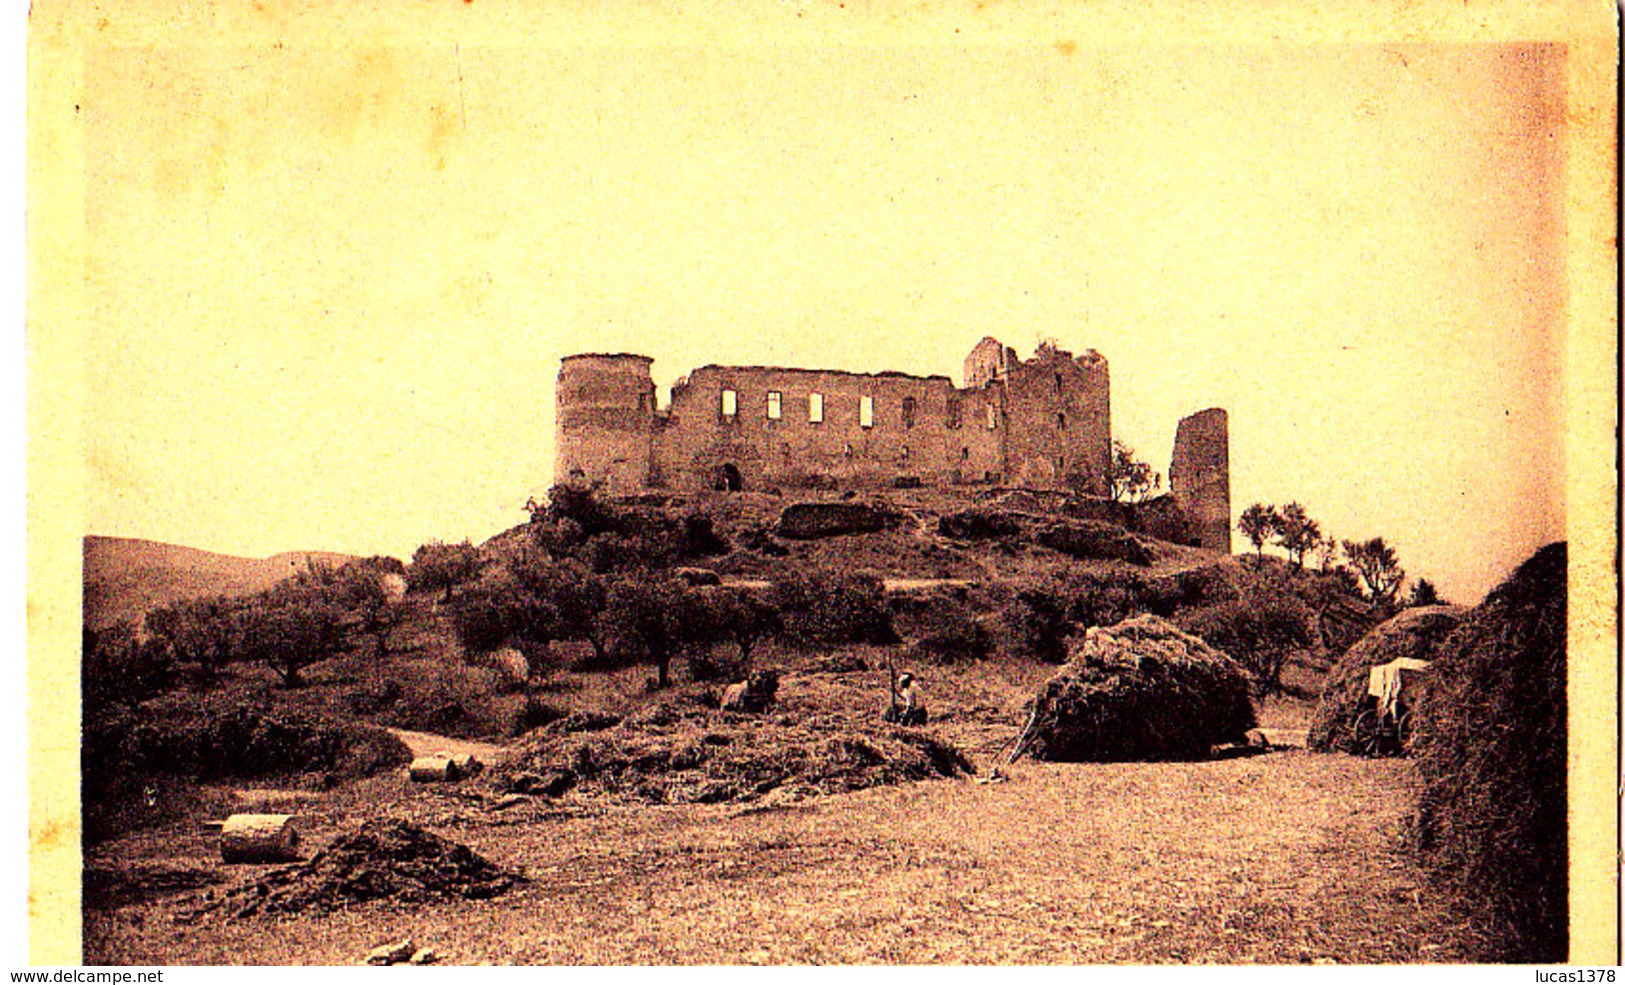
605 422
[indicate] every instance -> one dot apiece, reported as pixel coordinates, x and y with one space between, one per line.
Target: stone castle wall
1041 423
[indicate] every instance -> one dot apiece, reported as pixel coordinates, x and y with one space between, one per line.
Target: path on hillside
429 744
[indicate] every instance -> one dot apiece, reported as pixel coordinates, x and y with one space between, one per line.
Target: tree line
1372 564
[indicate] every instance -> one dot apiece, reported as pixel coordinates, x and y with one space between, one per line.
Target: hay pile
386 859
1417 633
1493 751
679 754
1141 690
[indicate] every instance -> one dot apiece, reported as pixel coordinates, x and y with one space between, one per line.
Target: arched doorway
728 478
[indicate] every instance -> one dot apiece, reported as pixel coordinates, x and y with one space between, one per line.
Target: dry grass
1282 858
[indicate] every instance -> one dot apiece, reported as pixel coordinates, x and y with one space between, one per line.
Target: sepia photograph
1068 484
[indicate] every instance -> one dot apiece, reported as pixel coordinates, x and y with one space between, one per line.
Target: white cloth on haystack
1386 682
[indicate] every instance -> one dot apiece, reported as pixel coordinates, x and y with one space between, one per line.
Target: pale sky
328 284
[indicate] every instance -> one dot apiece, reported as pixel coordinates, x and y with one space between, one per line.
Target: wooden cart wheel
1365 733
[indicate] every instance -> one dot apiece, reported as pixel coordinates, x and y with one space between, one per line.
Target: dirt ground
1284 857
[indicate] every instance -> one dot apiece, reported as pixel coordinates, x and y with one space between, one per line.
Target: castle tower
605 420
1059 421
1200 476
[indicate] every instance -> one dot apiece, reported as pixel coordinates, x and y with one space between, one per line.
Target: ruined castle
1040 423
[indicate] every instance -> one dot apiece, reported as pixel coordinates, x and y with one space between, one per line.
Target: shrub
1259 631
978 524
827 608
490 616
1104 598
125 750
963 638
442 566
1094 541
1492 750
1035 626
118 667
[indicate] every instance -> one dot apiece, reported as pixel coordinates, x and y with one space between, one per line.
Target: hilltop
126 576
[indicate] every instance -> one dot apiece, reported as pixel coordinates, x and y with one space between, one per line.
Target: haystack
1141 690
1413 634
1492 751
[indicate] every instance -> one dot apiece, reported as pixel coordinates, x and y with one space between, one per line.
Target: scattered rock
1256 739
698 576
753 695
553 783
426 955
467 764
392 953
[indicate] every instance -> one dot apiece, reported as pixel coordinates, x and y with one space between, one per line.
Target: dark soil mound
701 755
1414 633
1141 690
390 860
1493 750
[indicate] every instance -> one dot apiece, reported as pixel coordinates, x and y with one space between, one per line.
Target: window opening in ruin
964 454
775 405
953 413
1057 382
908 412
905 454
730 403
1060 421
848 450
866 412
992 417
643 402
815 409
